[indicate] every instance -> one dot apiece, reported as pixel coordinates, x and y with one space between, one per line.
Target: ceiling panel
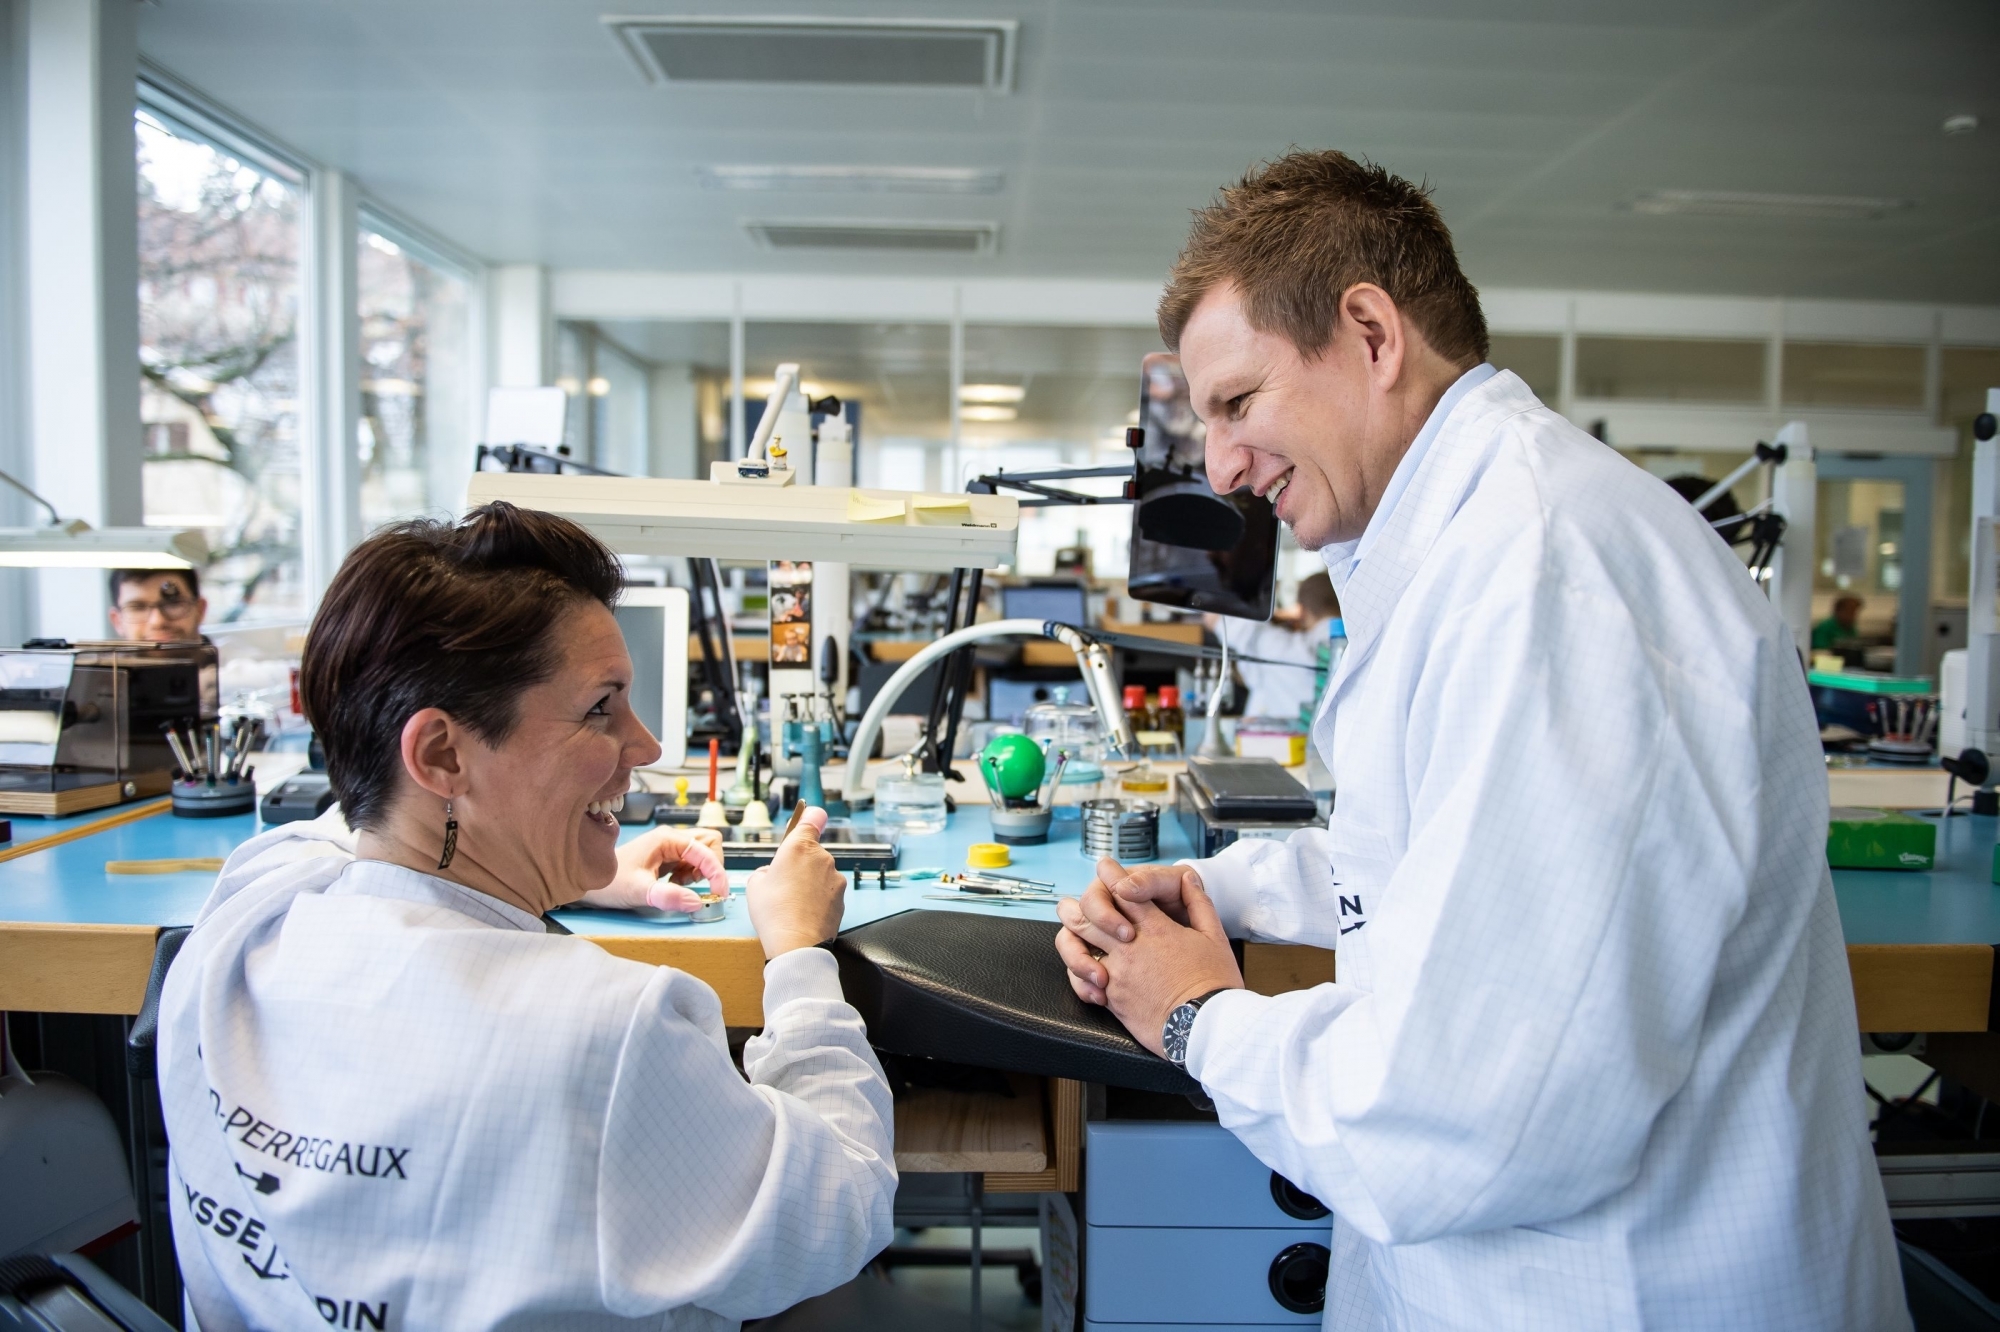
520 130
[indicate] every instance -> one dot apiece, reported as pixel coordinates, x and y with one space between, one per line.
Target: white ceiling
519 130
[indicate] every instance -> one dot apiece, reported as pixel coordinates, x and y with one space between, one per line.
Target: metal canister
1126 829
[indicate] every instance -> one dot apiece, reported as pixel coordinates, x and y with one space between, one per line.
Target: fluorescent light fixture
876 529
1727 203
853 179
991 392
838 234
78 545
988 412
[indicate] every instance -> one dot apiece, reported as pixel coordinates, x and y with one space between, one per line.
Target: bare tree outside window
415 445
219 265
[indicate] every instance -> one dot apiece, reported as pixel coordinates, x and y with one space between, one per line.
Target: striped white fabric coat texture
1590 1059
398 1103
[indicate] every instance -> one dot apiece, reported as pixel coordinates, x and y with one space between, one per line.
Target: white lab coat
1590 1059
398 1103
1276 691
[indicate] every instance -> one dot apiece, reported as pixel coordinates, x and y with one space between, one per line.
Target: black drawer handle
1298 1277
1296 1202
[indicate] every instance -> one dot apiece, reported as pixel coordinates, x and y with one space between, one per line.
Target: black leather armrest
139 1042
990 992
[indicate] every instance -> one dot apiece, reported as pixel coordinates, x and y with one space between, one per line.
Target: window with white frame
220 259
415 436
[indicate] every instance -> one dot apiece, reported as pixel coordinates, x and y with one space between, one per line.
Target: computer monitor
1060 601
1192 548
654 621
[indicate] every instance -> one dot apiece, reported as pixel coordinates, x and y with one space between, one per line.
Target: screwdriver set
214 776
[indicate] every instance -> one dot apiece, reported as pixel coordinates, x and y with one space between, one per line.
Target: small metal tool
798 812
180 751
993 901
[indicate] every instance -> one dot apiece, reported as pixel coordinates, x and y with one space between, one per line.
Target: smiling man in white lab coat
1590 1061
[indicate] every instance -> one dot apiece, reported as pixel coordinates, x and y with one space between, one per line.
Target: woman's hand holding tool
654 867
796 900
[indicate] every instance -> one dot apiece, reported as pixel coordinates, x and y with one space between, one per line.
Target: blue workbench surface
1954 903
67 883
1060 860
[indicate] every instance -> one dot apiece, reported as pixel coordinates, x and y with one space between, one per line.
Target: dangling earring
450 837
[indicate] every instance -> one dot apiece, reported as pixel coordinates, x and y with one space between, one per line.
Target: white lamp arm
1093 659
781 389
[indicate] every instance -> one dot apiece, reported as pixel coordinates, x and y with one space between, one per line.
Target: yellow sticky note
863 508
940 508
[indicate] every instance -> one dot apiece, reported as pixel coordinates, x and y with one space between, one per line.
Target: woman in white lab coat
400 1097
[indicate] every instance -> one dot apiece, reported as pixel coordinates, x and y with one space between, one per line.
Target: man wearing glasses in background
157 605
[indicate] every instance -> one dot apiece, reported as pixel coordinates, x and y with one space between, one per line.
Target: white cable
892 689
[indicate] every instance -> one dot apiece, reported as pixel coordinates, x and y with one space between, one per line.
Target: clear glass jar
910 803
1082 780
1062 727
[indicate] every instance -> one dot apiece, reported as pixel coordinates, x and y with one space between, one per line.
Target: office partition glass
648 397
1535 357
1054 396
1846 374
220 386
1718 370
1966 373
899 373
417 418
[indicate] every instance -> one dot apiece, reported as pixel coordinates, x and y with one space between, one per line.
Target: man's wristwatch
1180 1023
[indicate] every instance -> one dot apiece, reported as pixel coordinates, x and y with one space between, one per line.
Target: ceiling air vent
1729 203
922 237
899 53
823 179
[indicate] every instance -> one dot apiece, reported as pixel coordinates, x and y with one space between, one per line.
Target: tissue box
1879 839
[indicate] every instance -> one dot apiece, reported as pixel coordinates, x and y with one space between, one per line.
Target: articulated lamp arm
1092 658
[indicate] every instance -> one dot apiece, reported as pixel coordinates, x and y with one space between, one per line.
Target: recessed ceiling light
834 234
853 179
1730 203
987 413
1960 124
600 387
991 392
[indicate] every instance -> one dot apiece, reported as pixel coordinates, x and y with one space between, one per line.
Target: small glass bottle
1136 712
1169 717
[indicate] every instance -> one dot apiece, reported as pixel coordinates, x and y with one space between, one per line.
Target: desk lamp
75 544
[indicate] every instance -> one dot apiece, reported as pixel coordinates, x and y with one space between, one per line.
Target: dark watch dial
1175 1038
1180 1025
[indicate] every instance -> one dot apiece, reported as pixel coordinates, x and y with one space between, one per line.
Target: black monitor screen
1044 601
1192 548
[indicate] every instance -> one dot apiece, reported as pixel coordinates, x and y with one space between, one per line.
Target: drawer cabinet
1141 1274
1186 1230
1153 1174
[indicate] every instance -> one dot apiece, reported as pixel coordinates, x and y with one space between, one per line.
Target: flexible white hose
892 688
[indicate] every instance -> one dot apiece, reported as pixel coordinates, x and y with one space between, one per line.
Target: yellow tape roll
988 855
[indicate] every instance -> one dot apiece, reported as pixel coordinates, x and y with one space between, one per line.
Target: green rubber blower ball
1016 764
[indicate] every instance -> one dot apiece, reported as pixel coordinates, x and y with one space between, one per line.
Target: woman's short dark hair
437 614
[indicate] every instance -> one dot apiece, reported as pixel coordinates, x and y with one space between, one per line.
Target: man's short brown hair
1296 234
